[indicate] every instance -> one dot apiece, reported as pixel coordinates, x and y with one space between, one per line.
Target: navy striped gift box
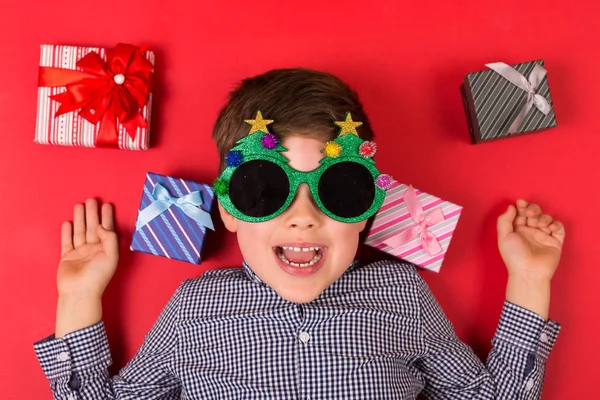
173 234
492 104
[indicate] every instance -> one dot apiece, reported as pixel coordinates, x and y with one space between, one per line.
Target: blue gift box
173 217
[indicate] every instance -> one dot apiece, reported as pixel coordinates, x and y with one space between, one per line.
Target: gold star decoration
348 126
258 124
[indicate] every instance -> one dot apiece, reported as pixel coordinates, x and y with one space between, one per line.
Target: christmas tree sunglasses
258 184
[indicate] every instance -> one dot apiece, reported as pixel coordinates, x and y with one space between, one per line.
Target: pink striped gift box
70 128
423 242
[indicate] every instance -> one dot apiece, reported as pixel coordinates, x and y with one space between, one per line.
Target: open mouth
300 257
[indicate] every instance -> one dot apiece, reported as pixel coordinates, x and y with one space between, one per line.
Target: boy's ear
229 220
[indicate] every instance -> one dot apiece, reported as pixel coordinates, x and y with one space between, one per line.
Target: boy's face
302 251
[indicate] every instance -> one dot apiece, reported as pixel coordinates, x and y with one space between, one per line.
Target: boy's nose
303 213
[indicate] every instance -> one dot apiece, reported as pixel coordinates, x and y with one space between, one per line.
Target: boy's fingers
558 230
505 222
521 219
533 211
522 203
532 222
108 221
544 220
109 241
91 220
529 214
66 238
78 225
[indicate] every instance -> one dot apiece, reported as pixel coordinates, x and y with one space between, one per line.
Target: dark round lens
258 188
347 189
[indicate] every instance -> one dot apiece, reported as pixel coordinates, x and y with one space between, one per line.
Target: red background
406 60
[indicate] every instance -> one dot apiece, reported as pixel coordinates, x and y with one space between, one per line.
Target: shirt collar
250 274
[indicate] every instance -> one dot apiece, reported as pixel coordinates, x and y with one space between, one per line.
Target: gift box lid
396 218
493 103
173 218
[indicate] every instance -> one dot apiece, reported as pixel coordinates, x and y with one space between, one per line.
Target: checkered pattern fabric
375 333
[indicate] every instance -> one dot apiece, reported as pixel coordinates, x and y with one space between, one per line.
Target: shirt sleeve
515 365
76 365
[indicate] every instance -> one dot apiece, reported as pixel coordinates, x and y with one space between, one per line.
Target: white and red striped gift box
70 129
394 217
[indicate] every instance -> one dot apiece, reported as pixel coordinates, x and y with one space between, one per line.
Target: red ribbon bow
110 92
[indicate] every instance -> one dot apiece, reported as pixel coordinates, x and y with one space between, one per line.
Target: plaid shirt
375 333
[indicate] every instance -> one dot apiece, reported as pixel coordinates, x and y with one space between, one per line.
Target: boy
301 319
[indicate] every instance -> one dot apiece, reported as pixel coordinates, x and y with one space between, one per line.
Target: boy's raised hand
89 256
530 244
90 251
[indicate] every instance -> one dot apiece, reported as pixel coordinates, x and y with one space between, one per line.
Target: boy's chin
298 296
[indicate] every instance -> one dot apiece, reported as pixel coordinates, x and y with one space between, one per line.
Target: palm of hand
82 268
89 251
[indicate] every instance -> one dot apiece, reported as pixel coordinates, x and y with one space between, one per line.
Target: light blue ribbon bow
189 204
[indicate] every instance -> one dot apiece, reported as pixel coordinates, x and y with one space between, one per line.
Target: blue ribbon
189 204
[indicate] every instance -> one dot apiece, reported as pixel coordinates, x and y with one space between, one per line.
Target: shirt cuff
527 330
82 349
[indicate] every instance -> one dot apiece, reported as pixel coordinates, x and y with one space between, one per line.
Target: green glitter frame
253 150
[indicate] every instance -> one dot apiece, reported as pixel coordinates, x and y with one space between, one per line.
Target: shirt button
529 384
304 337
544 338
64 356
71 397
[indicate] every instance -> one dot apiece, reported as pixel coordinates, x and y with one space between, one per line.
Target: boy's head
302 251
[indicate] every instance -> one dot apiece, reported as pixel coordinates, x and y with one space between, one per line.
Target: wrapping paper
173 233
492 103
71 129
394 220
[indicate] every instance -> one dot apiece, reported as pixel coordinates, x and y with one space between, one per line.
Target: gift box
173 217
94 97
414 226
507 100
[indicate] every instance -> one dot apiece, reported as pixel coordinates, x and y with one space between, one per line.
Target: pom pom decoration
234 158
269 141
220 186
367 149
332 149
383 181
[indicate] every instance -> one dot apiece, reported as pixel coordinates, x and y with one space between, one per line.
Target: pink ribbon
420 227
517 79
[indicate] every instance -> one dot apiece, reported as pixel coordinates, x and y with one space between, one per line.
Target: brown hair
299 100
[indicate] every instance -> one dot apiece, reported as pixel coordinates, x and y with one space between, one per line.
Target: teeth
300 248
315 260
